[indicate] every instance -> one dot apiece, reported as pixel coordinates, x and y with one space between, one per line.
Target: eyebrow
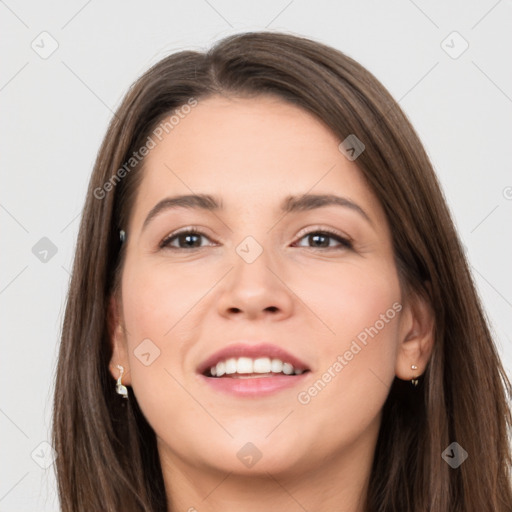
289 205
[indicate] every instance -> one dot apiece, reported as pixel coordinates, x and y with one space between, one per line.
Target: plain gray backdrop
65 67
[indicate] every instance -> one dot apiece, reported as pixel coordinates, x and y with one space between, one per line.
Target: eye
190 238
321 239
187 239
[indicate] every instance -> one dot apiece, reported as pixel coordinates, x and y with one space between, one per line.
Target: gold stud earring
120 389
414 381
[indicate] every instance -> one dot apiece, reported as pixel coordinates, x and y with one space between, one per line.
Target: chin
253 454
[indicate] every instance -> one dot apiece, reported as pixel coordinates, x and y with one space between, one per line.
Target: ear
417 332
117 337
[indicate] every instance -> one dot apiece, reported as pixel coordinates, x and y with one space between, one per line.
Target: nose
255 290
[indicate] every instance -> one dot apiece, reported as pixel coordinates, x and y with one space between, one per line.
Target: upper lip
253 351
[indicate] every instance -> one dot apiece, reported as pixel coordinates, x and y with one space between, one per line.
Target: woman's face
268 284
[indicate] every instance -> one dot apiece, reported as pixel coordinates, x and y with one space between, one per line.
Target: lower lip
253 387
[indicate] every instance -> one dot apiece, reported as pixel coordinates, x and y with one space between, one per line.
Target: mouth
252 370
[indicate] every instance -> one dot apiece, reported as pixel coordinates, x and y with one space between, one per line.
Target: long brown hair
107 454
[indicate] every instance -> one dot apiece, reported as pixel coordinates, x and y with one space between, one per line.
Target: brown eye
190 239
322 240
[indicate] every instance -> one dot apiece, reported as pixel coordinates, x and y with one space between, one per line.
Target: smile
247 368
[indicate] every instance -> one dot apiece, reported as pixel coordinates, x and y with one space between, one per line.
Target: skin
310 299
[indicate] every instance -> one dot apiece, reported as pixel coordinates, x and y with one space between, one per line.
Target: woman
270 308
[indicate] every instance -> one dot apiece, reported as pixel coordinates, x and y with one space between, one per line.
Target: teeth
287 368
247 365
221 369
262 365
276 365
230 366
244 365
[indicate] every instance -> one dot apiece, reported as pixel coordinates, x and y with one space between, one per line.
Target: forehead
252 152
246 133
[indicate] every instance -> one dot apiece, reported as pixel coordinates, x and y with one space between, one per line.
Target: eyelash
346 243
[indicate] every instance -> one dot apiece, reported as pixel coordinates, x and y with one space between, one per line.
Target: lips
253 351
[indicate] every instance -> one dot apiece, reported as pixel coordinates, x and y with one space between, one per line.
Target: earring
120 389
414 381
122 235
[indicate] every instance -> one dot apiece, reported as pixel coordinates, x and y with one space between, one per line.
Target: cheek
350 299
155 306
362 306
158 297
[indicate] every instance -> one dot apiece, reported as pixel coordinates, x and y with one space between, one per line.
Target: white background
55 112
